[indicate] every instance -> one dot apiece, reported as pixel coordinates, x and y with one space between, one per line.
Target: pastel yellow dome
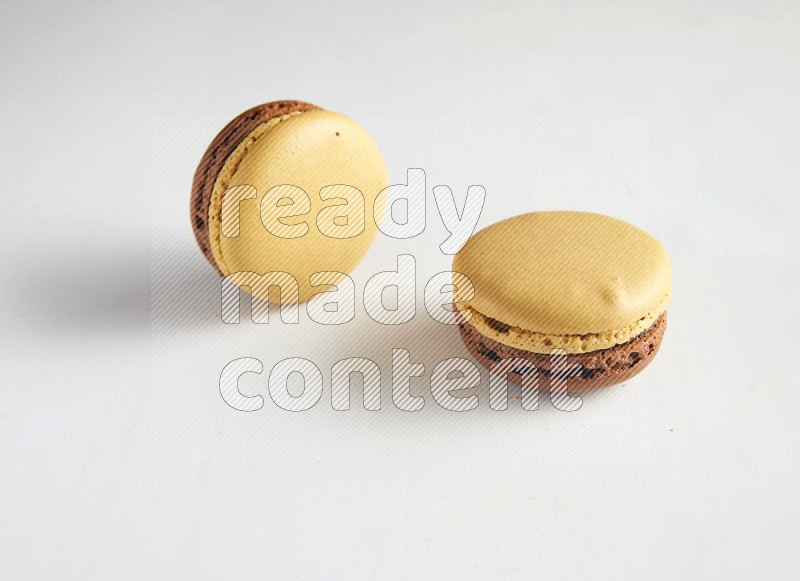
574 280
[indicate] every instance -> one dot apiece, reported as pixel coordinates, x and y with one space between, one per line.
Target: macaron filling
536 342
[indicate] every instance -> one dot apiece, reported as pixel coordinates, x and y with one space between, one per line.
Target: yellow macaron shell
310 150
576 280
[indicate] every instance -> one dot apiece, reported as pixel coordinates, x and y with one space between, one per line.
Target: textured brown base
216 155
596 368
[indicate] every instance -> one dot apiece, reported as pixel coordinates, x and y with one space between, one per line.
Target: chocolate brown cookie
582 371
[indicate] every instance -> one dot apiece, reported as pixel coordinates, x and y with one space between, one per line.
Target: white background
118 457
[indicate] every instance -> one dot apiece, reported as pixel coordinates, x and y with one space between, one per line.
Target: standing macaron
589 285
288 187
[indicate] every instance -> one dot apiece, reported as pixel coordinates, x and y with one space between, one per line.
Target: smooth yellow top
565 274
309 150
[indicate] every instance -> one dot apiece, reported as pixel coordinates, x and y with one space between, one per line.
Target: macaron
589 288
288 187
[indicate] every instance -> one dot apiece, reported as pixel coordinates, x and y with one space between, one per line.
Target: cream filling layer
223 182
544 343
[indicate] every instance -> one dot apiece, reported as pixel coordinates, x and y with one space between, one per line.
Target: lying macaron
588 285
288 187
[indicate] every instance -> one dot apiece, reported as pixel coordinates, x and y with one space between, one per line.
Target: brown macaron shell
596 369
216 155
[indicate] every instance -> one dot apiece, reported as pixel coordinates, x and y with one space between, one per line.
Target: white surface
119 458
